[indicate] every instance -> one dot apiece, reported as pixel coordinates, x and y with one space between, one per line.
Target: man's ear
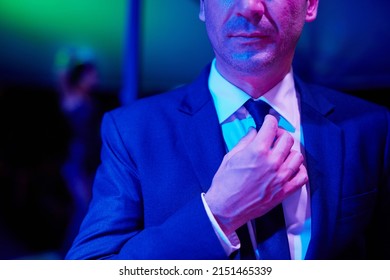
201 11
311 11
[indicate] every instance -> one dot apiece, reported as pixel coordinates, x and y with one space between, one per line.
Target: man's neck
255 84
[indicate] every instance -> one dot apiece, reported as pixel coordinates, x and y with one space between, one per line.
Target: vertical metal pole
130 82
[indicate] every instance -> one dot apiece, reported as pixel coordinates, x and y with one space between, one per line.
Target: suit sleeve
387 190
379 232
113 227
382 248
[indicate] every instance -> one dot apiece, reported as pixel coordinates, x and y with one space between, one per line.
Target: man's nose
252 10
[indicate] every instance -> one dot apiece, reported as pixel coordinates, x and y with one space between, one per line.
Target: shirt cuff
229 243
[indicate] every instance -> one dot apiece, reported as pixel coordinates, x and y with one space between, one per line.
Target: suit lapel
324 156
201 131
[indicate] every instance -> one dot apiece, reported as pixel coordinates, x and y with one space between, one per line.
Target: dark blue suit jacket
160 153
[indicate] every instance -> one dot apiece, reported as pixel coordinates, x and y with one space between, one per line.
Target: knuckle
275 163
261 149
289 138
281 177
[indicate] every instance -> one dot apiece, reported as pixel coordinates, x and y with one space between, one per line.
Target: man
184 176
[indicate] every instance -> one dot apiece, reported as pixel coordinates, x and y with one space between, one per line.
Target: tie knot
258 109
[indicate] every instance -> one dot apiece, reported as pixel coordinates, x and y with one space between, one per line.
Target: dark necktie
258 110
271 236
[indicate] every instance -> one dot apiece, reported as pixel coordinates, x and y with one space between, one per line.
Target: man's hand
255 176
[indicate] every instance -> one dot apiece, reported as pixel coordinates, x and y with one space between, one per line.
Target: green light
33 31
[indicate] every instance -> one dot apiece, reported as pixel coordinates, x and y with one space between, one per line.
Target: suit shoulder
152 109
347 101
166 100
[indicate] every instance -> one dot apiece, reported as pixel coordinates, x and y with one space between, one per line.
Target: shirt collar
228 98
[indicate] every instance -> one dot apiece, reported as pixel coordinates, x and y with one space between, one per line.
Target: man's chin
253 62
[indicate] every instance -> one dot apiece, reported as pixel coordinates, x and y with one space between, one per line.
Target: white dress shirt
235 122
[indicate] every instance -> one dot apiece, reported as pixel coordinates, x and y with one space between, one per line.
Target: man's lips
252 35
251 38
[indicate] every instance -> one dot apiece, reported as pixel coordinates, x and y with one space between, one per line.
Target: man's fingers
297 181
248 138
267 133
282 145
292 163
289 168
